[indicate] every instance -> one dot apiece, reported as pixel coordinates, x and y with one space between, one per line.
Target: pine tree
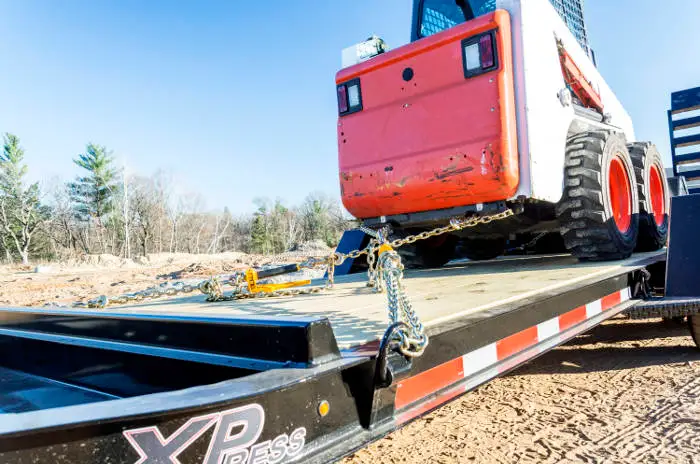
93 195
21 213
260 230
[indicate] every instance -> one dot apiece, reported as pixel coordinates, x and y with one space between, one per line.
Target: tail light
342 99
479 54
349 97
486 49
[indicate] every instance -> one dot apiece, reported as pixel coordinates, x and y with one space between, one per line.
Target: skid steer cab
495 105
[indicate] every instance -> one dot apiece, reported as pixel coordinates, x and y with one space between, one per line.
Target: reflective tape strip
594 308
427 382
479 359
432 381
548 328
573 317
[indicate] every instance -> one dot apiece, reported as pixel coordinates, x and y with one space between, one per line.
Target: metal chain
150 293
212 287
386 272
412 341
454 225
372 264
378 237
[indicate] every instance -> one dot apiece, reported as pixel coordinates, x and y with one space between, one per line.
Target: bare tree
101 211
146 210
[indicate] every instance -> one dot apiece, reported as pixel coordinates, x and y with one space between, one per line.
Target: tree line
103 210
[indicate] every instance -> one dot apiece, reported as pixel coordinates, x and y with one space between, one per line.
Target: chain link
411 341
370 250
454 225
385 271
213 288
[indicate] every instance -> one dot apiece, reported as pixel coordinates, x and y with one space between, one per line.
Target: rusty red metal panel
437 140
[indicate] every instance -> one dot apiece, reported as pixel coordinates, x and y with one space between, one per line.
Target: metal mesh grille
439 15
571 11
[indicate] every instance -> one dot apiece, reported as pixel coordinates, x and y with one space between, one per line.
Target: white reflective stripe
625 294
548 328
593 309
487 356
477 360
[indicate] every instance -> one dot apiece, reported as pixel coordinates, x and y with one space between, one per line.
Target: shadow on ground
617 345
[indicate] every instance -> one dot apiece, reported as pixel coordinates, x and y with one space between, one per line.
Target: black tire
429 253
587 222
481 249
652 234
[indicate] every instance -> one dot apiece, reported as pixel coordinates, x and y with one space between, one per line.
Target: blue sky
237 98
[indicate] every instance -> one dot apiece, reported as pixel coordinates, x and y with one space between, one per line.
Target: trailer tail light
479 54
349 97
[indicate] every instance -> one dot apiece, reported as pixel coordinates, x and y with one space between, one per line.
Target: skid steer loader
495 105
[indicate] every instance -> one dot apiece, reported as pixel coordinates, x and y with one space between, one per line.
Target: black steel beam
298 341
454 338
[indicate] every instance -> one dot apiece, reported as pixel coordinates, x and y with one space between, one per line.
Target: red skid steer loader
494 105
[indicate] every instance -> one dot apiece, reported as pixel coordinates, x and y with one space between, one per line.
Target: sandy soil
97 275
628 391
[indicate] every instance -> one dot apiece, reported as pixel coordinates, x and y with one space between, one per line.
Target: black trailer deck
277 379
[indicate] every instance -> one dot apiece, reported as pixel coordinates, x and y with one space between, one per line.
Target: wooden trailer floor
469 289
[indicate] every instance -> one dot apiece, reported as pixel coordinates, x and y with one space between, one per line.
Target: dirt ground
628 391
97 275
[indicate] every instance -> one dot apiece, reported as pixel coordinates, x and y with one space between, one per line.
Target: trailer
305 378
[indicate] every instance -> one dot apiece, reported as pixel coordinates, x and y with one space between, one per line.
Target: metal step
665 307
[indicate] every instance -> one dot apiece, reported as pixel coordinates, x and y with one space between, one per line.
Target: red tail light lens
479 54
342 99
486 50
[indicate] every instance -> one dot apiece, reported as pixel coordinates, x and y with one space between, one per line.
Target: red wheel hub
658 195
620 194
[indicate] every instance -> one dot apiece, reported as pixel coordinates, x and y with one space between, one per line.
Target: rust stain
496 162
453 172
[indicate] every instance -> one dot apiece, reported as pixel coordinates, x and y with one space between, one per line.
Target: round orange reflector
323 408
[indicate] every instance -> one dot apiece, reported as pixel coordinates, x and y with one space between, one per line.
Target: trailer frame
301 398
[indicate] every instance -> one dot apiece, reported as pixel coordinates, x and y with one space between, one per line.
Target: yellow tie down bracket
252 277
